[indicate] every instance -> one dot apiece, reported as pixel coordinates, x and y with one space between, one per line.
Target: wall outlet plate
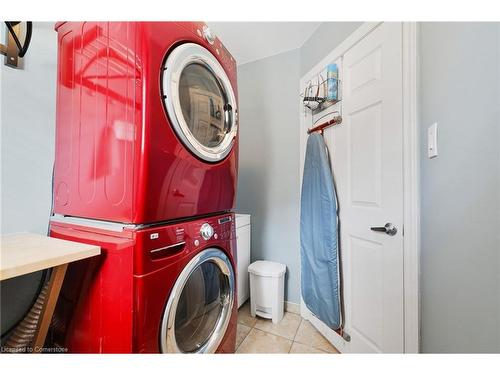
432 150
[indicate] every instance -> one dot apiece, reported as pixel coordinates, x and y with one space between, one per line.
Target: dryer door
200 101
199 308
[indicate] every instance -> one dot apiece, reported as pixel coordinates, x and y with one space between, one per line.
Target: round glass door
200 101
199 308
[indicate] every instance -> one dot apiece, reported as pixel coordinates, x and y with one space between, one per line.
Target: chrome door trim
168 342
178 59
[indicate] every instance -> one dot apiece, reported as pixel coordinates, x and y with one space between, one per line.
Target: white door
367 161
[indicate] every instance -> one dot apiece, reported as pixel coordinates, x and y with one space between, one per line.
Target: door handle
388 228
167 250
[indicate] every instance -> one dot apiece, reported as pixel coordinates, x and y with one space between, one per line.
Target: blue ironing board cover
320 279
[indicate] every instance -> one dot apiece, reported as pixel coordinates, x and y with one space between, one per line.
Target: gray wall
28 128
324 40
268 183
460 192
27 152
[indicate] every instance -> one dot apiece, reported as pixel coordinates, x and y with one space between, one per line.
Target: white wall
27 154
460 192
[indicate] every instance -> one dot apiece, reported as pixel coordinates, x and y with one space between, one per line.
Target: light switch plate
432 150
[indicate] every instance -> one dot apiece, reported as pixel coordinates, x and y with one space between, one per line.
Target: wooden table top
23 253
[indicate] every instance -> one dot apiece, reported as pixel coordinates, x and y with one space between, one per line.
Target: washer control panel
206 231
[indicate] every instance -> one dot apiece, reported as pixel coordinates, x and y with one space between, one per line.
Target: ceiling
250 41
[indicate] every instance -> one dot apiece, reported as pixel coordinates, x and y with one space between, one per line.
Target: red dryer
159 289
146 125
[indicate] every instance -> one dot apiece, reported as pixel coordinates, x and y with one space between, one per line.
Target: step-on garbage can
267 289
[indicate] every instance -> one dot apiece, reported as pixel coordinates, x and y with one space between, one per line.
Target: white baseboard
292 307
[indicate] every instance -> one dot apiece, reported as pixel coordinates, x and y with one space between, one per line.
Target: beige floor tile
286 328
308 335
244 316
241 332
258 341
298 348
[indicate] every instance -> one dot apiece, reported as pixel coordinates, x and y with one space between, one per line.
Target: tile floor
292 335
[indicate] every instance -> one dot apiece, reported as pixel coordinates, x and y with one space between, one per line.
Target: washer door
200 304
200 101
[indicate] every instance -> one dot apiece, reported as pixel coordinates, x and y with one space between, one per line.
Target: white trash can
267 289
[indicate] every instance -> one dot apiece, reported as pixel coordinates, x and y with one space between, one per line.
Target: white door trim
411 173
411 178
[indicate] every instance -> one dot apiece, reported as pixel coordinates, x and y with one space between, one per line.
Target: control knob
209 36
206 231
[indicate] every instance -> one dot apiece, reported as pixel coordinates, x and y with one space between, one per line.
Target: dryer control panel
212 229
160 246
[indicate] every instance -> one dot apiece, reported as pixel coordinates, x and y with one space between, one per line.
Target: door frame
411 168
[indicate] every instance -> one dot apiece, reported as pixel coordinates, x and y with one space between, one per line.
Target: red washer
146 123
158 289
